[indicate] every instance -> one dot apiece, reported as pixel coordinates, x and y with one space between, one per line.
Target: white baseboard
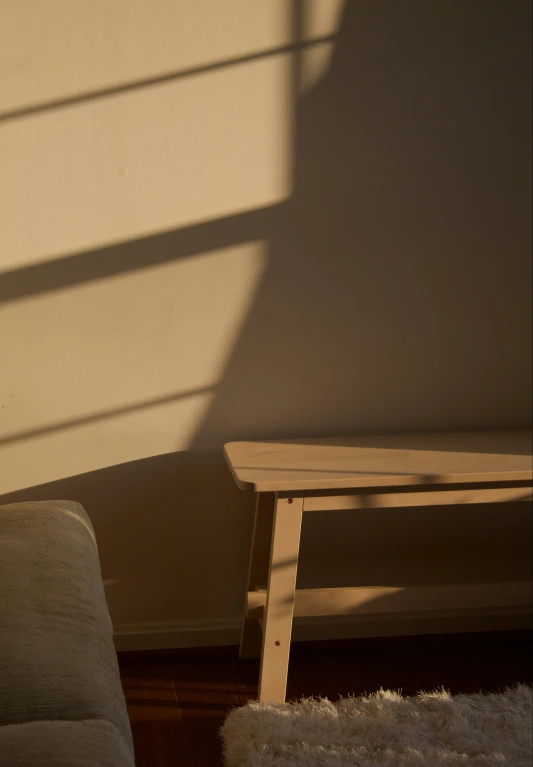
159 635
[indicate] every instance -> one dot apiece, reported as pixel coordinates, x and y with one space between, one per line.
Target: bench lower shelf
390 599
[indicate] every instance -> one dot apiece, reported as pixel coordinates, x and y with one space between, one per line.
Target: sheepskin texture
384 729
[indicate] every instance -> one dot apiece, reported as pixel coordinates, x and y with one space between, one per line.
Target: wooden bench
294 476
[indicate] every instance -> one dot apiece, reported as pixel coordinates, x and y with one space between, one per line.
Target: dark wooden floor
177 699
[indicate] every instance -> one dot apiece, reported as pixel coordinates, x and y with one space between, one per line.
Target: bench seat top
384 461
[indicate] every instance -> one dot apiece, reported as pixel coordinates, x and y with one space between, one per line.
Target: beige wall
210 233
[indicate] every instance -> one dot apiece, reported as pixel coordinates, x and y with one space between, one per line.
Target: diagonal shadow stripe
116 90
103 415
132 255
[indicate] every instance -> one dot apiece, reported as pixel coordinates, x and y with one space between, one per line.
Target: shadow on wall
165 537
399 270
397 293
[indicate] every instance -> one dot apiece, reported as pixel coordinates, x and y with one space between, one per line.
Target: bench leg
277 618
251 634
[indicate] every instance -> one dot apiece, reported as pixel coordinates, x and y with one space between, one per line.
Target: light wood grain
324 464
381 500
251 633
390 599
279 600
354 473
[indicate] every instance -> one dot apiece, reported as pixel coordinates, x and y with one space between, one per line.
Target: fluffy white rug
386 730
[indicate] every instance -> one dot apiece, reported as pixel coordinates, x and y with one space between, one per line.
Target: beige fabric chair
61 702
